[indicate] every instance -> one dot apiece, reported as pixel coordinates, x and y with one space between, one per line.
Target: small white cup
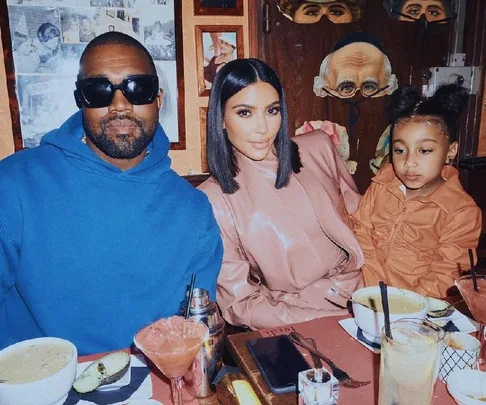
460 351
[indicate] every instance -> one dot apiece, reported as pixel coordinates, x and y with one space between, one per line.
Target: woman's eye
274 111
336 12
413 11
434 12
244 113
312 13
425 151
398 151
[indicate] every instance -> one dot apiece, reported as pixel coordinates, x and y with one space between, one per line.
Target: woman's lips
259 145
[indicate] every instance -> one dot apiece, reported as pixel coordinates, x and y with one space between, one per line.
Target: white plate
125 380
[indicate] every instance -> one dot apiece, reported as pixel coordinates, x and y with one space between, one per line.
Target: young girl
415 222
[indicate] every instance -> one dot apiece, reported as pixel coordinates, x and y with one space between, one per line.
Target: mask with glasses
349 89
98 92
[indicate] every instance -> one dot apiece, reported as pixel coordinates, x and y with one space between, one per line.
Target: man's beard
123 146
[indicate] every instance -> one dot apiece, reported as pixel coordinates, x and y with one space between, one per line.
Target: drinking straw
473 270
189 297
386 310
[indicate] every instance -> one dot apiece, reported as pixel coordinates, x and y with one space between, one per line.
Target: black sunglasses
98 92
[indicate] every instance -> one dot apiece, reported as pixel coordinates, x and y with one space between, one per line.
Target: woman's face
432 9
252 120
73 25
311 12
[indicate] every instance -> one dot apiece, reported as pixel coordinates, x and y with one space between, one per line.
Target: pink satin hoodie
269 276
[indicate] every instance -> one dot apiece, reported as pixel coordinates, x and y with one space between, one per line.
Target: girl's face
420 150
252 120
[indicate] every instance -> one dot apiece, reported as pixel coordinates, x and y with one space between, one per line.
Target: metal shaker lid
205 310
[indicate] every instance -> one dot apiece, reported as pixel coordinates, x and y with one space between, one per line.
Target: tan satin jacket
420 244
270 275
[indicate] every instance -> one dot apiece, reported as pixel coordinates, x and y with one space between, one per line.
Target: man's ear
160 99
452 152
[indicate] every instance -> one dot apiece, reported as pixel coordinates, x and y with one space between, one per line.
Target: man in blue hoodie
98 236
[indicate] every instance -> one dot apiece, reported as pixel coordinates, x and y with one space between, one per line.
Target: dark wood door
297 50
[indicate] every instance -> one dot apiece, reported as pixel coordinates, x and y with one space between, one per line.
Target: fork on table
340 375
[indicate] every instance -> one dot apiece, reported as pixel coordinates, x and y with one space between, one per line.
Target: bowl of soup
368 308
37 371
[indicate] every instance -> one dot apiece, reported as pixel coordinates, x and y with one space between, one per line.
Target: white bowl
50 390
371 322
462 383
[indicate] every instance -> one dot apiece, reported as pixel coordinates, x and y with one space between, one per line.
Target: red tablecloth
345 351
332 340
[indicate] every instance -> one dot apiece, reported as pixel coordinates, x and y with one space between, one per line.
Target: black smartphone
279 361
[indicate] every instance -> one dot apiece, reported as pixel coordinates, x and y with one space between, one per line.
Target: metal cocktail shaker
208 361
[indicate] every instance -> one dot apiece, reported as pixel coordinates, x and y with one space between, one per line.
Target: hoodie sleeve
10 237
206 262
347 185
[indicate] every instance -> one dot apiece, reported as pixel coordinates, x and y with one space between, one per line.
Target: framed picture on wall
45 40
203 115
218 7
216 45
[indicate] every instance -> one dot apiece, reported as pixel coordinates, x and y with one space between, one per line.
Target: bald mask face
357 66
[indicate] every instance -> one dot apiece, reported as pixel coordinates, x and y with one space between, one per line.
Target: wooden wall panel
296 52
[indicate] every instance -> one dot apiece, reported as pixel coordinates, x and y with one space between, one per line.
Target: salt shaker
318 387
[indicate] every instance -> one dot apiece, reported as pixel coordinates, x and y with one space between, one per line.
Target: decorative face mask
422 11
356 63
311 11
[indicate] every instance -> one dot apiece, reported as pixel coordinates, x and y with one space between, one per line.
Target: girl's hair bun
403 100
452 97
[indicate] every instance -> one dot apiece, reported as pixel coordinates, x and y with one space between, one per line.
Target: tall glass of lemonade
409 363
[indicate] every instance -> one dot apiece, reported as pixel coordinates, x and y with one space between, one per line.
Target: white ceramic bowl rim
29 342
366 291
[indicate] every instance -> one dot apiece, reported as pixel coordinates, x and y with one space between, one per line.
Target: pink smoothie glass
172 344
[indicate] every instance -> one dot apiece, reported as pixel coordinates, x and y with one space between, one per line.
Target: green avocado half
105 370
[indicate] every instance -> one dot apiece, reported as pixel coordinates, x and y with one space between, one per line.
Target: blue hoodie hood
68 138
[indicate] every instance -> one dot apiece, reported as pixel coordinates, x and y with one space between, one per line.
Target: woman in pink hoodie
282 205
